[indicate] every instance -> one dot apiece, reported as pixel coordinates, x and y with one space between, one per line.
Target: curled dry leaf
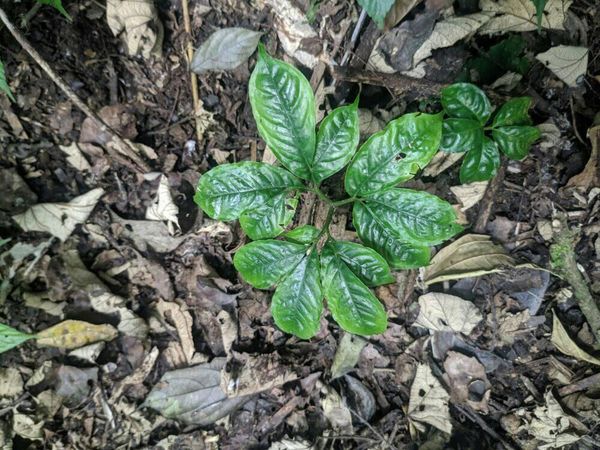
469 194
443 312
347 354
336 411
567 62
467 380
563 342
428 402
59 219
136 21
163 207
225 49
590 177
72 334
193 395
550 425
180 317
472 255
520 15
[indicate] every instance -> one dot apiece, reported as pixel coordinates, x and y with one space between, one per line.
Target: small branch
562 254
488 200
121 151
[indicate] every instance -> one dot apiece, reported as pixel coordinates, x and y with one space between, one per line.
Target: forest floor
513 365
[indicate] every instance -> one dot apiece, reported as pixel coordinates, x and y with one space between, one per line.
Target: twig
359 24
581 385
193 78
488 201
122 150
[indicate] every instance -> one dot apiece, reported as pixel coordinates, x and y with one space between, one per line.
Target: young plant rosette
396 225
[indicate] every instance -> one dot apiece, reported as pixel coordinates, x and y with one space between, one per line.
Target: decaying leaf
467 380
448 32
443 312
563 342
520 15
469 194
590 176
440 162
59 219
428 402
336 411
346 354
550 423
193 395
27 428
72 334
163 207
136 21
470 256
11 382
180 317
225 49
567 62
75 157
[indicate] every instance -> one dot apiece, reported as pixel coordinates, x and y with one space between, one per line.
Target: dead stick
581 385
122 147
193 78
488 200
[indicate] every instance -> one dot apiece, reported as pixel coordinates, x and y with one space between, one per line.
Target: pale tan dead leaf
27 428
138 376
567 62
40 300
346 354
181 319
108 303
443 312
550 134
428 402
563 342
550 424
137 23
440 162
369 123
510 325
297 36
520 15
229 330
590 177
59 219
72 334
507 82
89 352
257 373
48 403
469 194
75 157
448 32
163 208
336 411
11 382
471 255
467 380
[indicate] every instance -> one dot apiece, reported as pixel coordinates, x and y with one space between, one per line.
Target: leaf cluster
397 226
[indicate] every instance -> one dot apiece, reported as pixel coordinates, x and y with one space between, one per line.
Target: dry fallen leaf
180 317
398 11
443 312
469 194
138 24
590 177
163 207
11 383
75 157
346 354
566 62
336 411
428 402
563 342
520 15
72 334
470 256
467 380
549 425
59 219
440 162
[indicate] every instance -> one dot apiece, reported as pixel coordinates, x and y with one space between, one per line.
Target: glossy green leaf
306 234
414 216
337 141
298 301
513 112
228 190
283 105
466 101
269 219
9 337
364 262
374 233
394 154
4 87
264 263
377 9
515 141
461 135
480 164
57 4
352 304
502 57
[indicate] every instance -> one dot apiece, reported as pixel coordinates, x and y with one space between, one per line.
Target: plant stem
344 202
325 228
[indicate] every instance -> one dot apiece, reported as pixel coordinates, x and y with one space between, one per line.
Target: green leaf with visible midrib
264 263
352 304
364 262
515 141
337 141
269 219
228 190
283 106
298 301
394 154
466 101
481 163
461 135
10 338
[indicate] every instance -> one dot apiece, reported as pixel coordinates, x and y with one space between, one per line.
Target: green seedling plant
397 226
